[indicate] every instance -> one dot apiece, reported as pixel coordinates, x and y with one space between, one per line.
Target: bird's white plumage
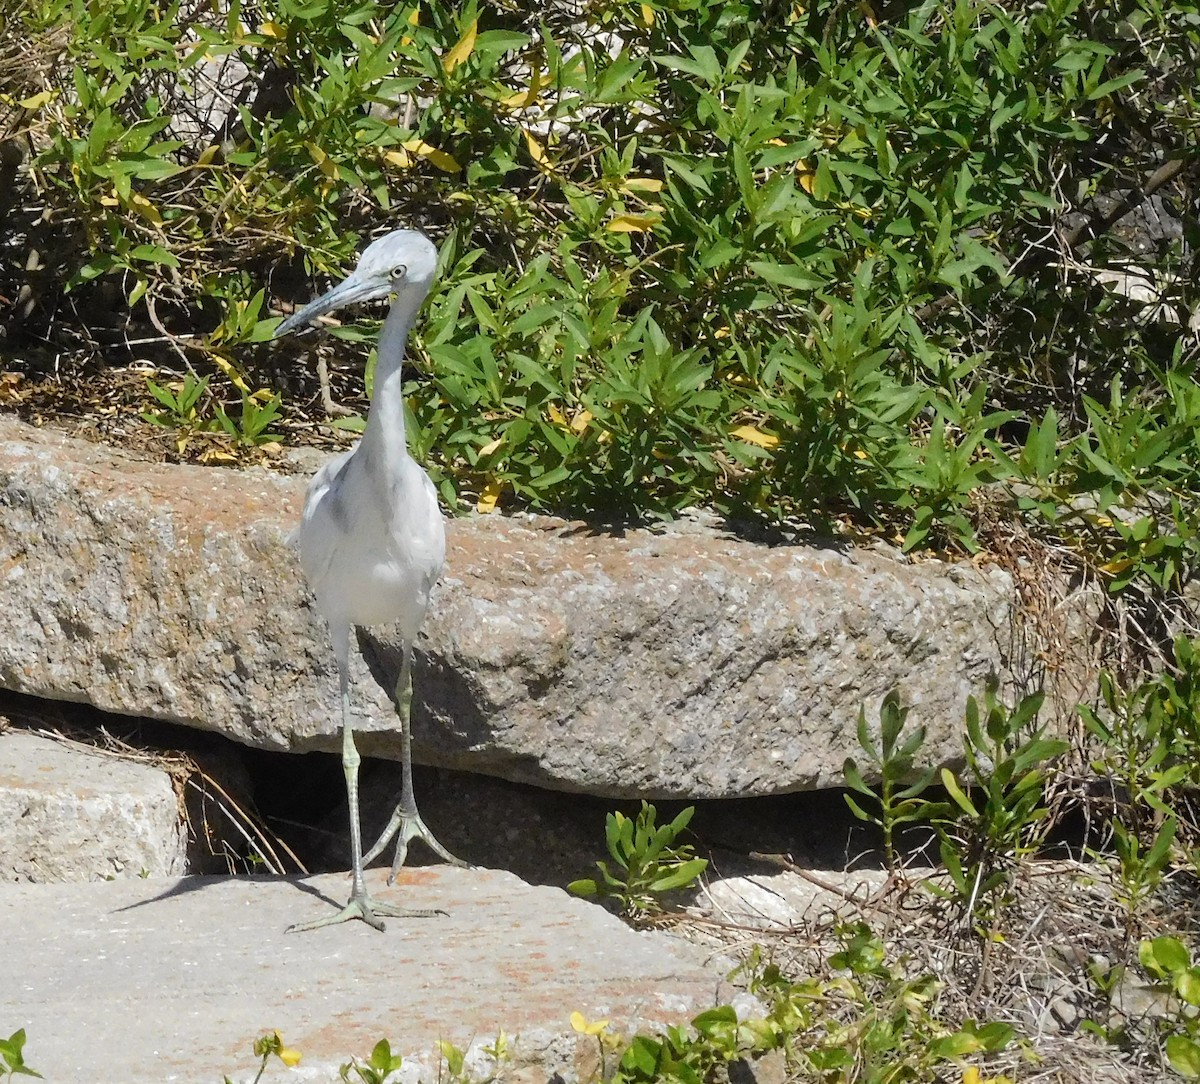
372 547
371 539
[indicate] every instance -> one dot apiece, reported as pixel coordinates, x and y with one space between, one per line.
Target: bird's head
401 262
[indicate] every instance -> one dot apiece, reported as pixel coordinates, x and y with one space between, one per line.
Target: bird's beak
348 292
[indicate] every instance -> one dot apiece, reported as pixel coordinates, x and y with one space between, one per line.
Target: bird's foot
407 827
372 912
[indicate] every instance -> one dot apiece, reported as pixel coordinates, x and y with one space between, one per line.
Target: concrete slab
69 813
125 982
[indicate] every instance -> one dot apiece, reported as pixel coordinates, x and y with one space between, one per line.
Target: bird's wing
315 541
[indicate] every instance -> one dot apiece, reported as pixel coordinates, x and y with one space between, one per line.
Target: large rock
679 662
149 981
74 814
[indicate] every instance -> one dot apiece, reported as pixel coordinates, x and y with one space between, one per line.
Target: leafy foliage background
915 268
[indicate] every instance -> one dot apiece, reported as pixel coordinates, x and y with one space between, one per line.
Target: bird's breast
373 558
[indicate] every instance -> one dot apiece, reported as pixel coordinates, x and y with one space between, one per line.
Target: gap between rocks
229 794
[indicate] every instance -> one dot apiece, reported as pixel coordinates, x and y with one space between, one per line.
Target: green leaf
1111 86
854 778
642 1055
1184 1056
955 1046
791 275
956 793
857 810
155 254
681 876
1187 986
1164 956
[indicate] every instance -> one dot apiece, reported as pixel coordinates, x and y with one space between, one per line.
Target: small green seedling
268 1046
648 862
892 761
181 407
378 1068
12 1056
252 426
1167 961
1000 816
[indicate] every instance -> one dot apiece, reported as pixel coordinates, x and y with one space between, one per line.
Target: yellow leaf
721 333
642 184
536 151
807 177
971 1075
230 370
859 212
491 446
647 15
207 155
413 20
146 209
272 30
289 1056
490 496
398 158
211 455
464 48
1117 564
632 223
580 422
323 162
523 99
580 1024
752 435
36 101
445 162
557 416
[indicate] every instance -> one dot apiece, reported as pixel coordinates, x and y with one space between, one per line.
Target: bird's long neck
385 421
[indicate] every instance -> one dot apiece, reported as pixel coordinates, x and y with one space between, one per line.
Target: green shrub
790 262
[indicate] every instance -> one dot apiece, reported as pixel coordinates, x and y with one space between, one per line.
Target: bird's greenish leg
406 823
361 905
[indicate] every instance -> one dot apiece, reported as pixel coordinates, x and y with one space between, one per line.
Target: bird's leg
361 905
406 823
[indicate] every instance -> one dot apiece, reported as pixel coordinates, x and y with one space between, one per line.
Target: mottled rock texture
681 662
72 814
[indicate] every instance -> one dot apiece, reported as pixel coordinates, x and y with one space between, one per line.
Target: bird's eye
398 272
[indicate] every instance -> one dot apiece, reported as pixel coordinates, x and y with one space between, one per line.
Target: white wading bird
371 540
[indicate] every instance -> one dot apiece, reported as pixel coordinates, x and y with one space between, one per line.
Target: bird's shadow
186 885
449 711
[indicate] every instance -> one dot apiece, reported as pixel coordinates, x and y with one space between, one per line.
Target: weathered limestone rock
672 663
78 815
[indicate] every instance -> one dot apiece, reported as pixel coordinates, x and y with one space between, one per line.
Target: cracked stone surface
172 979
675 663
